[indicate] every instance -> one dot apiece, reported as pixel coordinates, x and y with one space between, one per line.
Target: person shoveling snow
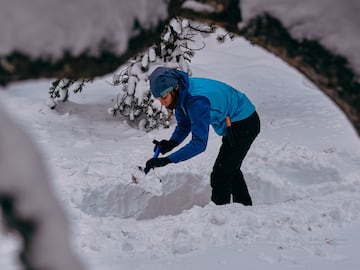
199 103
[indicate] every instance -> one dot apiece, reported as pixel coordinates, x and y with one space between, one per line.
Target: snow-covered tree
175 49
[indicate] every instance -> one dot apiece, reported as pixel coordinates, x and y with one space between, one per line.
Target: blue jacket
204 102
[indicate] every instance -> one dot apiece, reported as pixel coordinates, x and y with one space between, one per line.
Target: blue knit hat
162 81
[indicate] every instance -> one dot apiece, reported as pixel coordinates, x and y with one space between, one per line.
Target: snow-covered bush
59 90
176 48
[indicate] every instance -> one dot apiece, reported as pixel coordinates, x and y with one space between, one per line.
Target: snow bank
144 197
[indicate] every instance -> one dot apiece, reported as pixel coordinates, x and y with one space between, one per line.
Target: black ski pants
226 177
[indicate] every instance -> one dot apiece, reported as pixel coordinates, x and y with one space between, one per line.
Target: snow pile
178 192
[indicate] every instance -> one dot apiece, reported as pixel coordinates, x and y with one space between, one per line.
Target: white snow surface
335 24
47 28
302 171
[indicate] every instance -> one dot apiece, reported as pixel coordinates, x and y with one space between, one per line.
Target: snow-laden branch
319 38
74 39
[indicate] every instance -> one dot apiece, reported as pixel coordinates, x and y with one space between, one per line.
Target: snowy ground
303 172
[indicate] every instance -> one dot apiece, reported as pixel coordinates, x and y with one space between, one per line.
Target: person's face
166 100
169 100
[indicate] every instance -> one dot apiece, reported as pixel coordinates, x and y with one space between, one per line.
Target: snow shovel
156 155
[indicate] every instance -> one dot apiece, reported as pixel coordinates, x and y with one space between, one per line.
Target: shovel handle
156 154
157 151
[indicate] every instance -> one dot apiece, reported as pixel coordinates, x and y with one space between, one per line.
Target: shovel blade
156 155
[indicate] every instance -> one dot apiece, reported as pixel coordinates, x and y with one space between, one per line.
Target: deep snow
302 171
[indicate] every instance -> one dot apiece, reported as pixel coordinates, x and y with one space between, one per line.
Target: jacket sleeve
198 109
183 126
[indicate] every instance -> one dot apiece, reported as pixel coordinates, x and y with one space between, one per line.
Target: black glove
165 145
156 162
